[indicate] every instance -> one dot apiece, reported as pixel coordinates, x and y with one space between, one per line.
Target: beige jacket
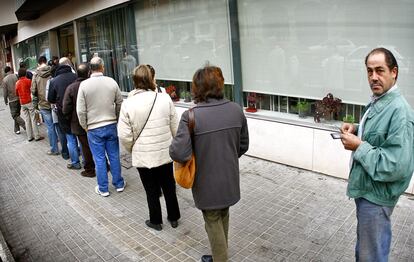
39 82
150 149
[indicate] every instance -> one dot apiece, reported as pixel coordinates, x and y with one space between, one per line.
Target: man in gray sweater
98 104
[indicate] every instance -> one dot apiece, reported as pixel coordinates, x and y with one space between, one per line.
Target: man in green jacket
382 161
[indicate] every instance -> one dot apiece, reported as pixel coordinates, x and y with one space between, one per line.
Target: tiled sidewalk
50 213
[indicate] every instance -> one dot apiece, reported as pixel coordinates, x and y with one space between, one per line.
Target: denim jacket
384 163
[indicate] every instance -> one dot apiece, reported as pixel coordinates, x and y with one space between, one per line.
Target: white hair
96 63
65 61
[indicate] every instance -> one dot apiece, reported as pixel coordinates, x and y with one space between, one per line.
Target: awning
32 9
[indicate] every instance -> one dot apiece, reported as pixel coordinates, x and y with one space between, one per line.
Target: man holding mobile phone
382 161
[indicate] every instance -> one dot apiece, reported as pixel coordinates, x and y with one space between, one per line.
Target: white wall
7 15
300 146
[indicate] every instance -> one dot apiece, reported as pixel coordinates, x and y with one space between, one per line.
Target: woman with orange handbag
220 138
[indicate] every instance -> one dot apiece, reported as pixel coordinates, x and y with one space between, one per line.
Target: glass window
28 51
178 37
112 37
311 48
42 45
67 42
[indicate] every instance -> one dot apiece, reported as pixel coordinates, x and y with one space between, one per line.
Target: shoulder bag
184 174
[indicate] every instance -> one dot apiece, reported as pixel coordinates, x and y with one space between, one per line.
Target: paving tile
50 213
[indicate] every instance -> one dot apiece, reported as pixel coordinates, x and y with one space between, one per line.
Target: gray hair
65 61
96 63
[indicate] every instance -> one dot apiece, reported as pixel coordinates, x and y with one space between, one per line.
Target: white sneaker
121 189
97 191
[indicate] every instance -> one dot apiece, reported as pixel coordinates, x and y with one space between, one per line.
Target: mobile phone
336 135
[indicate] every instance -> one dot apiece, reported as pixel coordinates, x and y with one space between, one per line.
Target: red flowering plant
251 103
172 91
328 108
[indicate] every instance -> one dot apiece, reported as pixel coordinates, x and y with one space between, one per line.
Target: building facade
284 52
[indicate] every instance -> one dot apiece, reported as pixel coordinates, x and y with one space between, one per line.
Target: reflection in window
178 37
111 36
28 51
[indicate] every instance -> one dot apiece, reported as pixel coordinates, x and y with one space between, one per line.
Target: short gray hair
65 61
96 63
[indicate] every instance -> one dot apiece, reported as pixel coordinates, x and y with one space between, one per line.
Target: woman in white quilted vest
146 126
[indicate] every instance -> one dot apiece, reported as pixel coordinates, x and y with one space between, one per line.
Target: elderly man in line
98 104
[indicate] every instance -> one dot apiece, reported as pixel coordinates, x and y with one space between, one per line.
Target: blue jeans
73 149
373 231
63 141
105 140
51 131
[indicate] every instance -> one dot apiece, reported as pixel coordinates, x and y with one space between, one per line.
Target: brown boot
86 173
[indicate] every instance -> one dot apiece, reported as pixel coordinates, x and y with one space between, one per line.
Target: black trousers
87 154
153 179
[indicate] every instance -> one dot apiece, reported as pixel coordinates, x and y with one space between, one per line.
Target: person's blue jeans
105 140
51 131
63 141
73 149
373 231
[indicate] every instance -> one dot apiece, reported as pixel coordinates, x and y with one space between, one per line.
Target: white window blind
310 48
178 37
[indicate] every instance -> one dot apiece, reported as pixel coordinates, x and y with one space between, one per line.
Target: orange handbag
184 174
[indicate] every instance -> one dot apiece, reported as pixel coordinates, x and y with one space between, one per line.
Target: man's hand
350 141
347 128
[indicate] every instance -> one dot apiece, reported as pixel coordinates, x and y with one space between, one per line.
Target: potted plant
251 103
186 95
303 108
328 108
349 119
172 91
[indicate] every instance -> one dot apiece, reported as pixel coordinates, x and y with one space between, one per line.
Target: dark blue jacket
57 87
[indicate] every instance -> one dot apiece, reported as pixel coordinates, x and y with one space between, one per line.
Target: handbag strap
191 125
147 117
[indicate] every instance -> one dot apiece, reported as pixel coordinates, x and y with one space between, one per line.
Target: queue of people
90 109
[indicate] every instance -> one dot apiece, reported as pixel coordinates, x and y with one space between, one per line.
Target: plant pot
187 100
302 114
328 117
251 110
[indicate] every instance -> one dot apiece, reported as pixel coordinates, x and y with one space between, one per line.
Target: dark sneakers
39 138
76 166
207 258
157 227
51 153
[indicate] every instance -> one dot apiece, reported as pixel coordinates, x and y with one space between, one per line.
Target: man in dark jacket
39 83
69 110
64 76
